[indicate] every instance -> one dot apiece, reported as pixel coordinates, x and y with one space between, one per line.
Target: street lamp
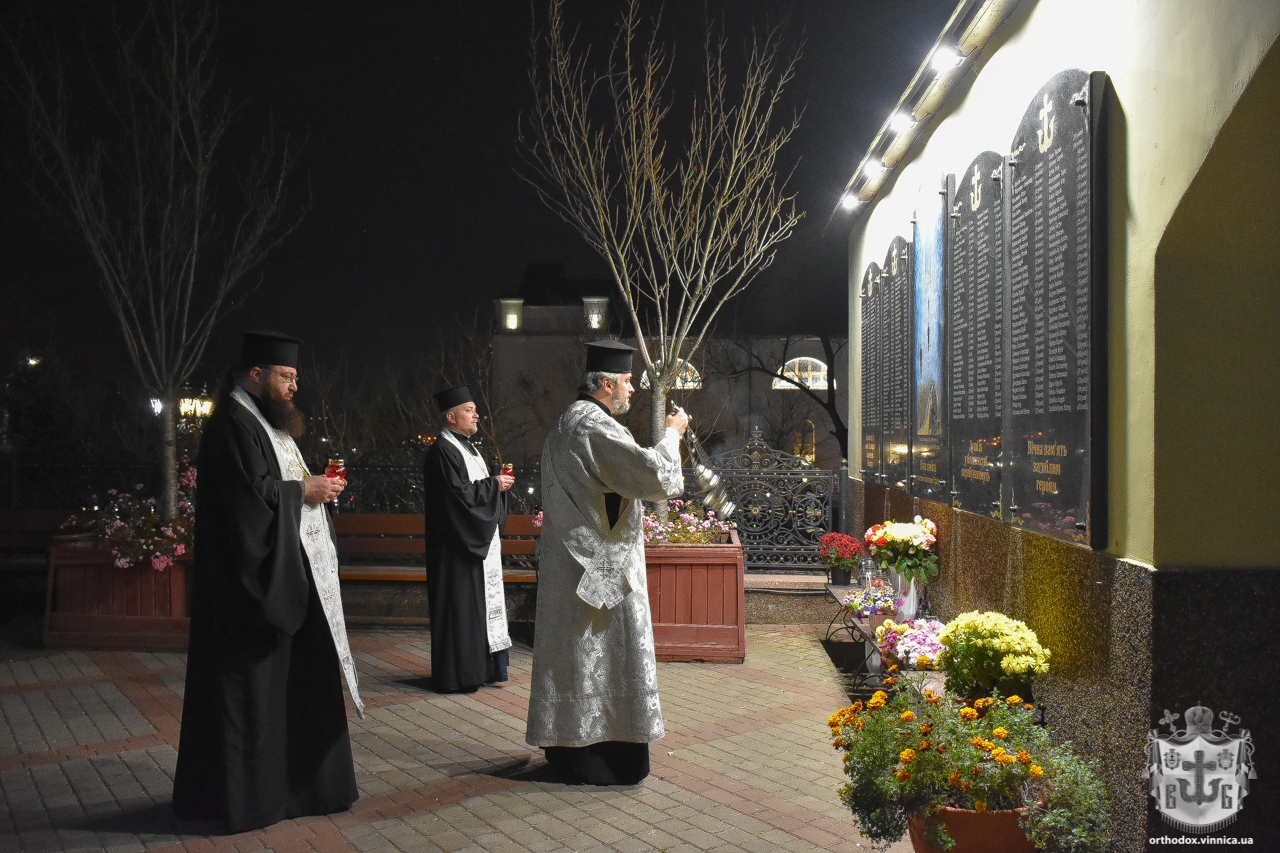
512 313
595 310
195 407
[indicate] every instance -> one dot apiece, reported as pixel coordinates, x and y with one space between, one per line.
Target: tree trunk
168 456
658 428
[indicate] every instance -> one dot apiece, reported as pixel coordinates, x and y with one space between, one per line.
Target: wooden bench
25 538
390 547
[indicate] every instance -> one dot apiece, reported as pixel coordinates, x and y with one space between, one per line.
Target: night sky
410 113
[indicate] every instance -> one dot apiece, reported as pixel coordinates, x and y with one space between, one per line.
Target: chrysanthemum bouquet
687 523
131 525
910 754
912 644
877 599
906 547
984 650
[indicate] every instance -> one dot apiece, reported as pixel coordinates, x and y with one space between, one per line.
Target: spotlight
873 169
850 201
901 122
944 59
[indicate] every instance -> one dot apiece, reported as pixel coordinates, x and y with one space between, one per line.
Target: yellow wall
1217 314
1178 67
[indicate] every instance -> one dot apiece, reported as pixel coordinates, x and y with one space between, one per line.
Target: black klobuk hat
609 357
270 348
454 396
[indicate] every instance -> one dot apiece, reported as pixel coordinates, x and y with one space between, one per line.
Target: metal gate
784 504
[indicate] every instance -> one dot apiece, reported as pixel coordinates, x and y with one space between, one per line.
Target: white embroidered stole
317 544
495 598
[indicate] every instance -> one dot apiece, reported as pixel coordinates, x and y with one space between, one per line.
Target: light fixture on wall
595 312
511 314
850 201
901 121
873 169
944 59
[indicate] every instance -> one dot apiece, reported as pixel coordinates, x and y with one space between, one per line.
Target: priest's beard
282 414
620 404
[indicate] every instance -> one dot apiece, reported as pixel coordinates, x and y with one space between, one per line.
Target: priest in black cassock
465 508
264 727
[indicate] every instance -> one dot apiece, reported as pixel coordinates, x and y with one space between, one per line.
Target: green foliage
1068 807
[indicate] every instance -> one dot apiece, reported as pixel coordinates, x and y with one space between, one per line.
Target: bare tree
140 191
752 361
682 235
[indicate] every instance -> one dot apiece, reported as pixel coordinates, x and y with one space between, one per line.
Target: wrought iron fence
784 504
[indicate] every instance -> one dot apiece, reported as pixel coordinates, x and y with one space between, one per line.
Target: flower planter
92 604
697 600
975 832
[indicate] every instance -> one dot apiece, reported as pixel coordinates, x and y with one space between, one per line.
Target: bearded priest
465 508
264 727
593 701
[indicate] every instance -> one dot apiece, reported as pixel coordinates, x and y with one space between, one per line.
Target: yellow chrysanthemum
907 716
907 756
968 715
1000 732
1036 771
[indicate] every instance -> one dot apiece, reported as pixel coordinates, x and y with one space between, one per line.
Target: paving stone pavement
88 747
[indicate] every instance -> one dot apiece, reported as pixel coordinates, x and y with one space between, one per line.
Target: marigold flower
997 752
904 775
982 704
907 716
881 695
940 748
1036 771
966 785
893 667
934 700
925 728
859 724
976 771
1005 759
928 692
1028 707
979 806
924 744
907 756
968 715
1024 756
1000 732
923 662
875 704
954 779
890 681
1013 701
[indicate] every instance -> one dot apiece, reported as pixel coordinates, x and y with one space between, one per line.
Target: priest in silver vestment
593 704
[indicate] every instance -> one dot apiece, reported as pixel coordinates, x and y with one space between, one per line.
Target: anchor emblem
1199 766
975 195
1044 136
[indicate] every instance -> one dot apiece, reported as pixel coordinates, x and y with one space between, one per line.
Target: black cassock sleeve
460 513
247 536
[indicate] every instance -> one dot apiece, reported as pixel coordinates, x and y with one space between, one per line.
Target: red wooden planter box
696 598
92 604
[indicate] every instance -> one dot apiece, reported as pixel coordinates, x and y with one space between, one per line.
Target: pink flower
179 549
537 519
160 562
138 487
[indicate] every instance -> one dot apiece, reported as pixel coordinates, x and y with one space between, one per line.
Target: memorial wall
981 355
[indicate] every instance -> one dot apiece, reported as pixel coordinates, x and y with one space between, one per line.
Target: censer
716 496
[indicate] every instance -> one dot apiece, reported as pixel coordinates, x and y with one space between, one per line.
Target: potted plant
130 590
841 553
697 596
906 547
911 644
984 651
877 603
956 774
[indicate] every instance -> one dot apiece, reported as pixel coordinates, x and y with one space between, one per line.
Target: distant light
531 490
513 321
901 122
873 169
322 438
944 59
850 201
157 405
32 361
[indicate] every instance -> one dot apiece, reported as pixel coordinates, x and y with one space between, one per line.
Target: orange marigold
1036 771
907 756
1028 707
875 704
976 771
893 667
924 744
1000 732
904 775
997 752
925 728
954 779
934 700
968 715
982 744
907 716
1005 759
890 681
983 704
979 806
881 695
1024 756
966 785
923 662
1013 700
859 724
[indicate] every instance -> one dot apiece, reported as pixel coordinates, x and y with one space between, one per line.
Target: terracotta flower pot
975 832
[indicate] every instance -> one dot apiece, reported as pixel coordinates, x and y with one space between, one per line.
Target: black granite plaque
1048 429
929 451
976 342
896 328
872 341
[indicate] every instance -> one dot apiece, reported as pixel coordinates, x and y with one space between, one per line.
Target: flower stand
90 603
697 599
